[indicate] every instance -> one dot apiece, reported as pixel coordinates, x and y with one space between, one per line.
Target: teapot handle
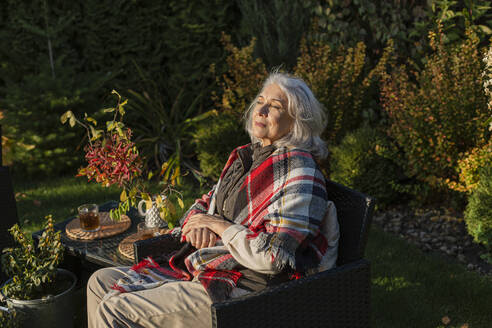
140 209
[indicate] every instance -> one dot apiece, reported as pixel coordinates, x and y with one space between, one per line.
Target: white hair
306 111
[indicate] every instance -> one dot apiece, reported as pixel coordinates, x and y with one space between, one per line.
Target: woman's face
270 118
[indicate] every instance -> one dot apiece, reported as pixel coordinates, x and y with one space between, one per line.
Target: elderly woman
266 221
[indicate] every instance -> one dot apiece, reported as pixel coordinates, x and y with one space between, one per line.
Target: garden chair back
336 298
8 209
354 212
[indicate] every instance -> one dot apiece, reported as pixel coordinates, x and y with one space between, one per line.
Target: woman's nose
263 110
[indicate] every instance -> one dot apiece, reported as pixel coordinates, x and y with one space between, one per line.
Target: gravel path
435 230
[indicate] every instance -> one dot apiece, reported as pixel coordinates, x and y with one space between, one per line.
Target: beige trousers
174 304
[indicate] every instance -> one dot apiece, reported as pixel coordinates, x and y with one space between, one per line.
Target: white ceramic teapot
152 218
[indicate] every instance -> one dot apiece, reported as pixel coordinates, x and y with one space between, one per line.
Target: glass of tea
145 232
89 217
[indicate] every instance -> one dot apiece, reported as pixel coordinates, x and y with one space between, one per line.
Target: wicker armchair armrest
159 248
335 298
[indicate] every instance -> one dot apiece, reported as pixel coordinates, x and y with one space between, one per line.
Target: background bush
162 133
78 44
342 81
469 167
278 25
437 113
374 22
456 16
215 138
363 161
478 214
33 108
242 79
341 22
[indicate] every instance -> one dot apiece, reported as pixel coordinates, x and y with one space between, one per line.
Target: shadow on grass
59 197
413 289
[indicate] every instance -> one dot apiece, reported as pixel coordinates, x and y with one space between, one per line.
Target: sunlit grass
413 289
392 283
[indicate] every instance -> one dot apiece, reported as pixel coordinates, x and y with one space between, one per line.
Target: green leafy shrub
241 81
163 133
373 22
469 167
32 110
478 214
341 22
182 49
278 38
215 139
340 80
32 269
63 41
362 161
337 77
165 38
456 16
438 113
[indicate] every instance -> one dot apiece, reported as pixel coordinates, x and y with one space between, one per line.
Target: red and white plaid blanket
286 202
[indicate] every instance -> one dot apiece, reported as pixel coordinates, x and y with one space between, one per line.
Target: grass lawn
409 288
414 289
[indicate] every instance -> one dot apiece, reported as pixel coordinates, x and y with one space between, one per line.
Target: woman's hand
211 222
201 237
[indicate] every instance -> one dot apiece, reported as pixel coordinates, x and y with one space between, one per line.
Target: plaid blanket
286 201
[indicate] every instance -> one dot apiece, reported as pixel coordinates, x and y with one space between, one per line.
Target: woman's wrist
213 222
221 226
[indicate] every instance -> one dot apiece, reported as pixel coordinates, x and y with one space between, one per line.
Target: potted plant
38 291
113 159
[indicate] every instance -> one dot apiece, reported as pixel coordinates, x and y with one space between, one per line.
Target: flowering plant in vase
113 159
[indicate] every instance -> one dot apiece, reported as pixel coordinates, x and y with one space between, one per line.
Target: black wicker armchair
334 298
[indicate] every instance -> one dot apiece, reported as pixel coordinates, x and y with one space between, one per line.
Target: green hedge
43 146
362 161
278 25
374 22
59 55
215 139
175 40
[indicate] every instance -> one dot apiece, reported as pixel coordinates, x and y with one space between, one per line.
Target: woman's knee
107 315
101 281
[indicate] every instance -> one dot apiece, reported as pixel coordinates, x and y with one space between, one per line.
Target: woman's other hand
211 222
201 237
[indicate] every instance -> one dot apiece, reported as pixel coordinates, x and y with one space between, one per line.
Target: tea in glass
89 217
145 232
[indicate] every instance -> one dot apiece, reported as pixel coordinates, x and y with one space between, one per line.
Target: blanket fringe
282 257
